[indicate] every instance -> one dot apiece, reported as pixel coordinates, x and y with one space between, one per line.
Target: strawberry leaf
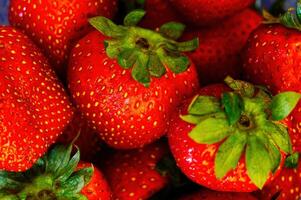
229 154
172 30
210 131
283 104
258 161
233 106
134 17
203 105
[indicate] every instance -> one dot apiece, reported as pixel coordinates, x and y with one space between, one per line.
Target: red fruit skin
88 140
197 160
287 184
218 54
34 105
132 174
205 194
272 58
98 187
124 112
158 12
205 12
55 25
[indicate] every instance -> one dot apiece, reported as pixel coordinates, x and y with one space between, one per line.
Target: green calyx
244 120
53 176
147 53
290 19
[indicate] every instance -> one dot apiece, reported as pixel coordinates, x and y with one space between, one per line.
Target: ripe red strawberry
133 175
204 12
56 25
86 139
272 58
205 194
158 12
112 83
229 140
57 175
218 54
34 106
98 187
286 187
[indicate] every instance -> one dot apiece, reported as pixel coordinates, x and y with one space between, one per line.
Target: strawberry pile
149 99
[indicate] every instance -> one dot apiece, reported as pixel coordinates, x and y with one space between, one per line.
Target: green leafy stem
146 52
244 120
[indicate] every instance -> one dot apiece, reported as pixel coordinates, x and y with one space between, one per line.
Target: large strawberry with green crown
127 80
205 12
55 25
287 186
34 105
272 58
59 174
218 54
232 137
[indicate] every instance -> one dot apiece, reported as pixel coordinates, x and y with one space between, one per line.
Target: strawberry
56 25
272 58
205 194
158 12
285 187
133 175
97 188
229 138
218 54
127 106
86 139
205 12
57 175
34 105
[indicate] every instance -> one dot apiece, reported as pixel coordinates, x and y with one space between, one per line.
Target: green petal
203 105
283 104
258 161
134 17
210 131
229 154
172 30
279 134
233 106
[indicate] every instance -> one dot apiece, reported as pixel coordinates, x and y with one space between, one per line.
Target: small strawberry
286 187
128 82
205 194
56 24
133 175
158 12
205 12
218 54
86 139
272 58
34 106
230 139
57 175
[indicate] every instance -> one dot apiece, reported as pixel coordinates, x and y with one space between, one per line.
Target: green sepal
107 27
69 168
210 131
203 105
177 64
244 88
155 66
172 30
292 161
140 72
229 153
127 58
279 134
274 153
283 104
233 105
134 17
258 161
